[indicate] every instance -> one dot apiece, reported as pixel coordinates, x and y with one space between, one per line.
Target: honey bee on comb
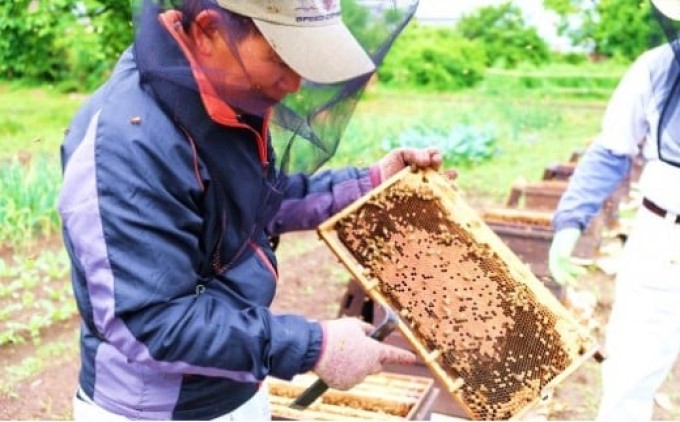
484 325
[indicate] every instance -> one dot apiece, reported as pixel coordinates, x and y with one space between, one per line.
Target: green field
527 131
530 133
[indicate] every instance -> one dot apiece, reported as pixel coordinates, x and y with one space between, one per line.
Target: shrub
507 38
69 42
433 58
28 47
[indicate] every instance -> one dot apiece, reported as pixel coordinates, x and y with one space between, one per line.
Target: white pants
643 333
255 409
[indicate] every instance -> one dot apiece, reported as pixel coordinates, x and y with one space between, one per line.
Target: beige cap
670 8
309 36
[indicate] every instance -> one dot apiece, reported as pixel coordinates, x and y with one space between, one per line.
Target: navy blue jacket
165 218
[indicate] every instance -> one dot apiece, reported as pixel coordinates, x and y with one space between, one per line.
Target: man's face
268 76
251 79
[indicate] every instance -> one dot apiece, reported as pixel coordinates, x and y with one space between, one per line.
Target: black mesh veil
308 124
668 135
319 122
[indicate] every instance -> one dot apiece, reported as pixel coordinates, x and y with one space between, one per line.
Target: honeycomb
475 314
379 397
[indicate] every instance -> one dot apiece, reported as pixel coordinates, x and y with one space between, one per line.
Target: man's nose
290 81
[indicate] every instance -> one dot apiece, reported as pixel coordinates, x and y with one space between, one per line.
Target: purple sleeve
310 200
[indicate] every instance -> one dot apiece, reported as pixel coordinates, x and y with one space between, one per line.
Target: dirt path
312 282
47 373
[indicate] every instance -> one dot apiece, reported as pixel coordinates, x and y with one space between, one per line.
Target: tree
29 45
614 28
112 21
58 40
435 58
507 38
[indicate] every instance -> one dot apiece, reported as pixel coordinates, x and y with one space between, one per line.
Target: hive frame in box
382 397
520 326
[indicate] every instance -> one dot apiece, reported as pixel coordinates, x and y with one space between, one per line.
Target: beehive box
492 334
528 238
529 234
546 195
541 195
384 397
560 171
576 155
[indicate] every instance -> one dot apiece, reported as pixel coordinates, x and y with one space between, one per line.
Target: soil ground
312 282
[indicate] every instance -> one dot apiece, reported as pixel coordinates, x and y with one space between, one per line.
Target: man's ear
205 30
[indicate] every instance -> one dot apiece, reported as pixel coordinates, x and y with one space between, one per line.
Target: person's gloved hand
397 159
349 355
562 269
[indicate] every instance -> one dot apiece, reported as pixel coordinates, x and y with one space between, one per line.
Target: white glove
562 269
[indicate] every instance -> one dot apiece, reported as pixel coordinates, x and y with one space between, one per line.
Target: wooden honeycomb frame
485 326
383 397
516 216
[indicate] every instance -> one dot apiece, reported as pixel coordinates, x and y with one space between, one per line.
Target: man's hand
349 355
562 269
396 160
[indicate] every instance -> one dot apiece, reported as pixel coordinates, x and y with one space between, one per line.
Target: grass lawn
33 120
531 132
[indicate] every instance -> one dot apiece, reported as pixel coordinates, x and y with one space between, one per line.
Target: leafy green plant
70 42
611 28
507 38
42 356
7 271
12 333
460 145
28 47
35 324
433 58
28 195
34 294
54 265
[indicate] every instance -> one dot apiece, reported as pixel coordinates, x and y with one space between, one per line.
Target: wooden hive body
529 234
484 325
383 397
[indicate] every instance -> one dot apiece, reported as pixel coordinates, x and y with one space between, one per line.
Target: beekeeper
643 331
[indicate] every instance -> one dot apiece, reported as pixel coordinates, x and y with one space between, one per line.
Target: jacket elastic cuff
374 173
557 226
313 354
